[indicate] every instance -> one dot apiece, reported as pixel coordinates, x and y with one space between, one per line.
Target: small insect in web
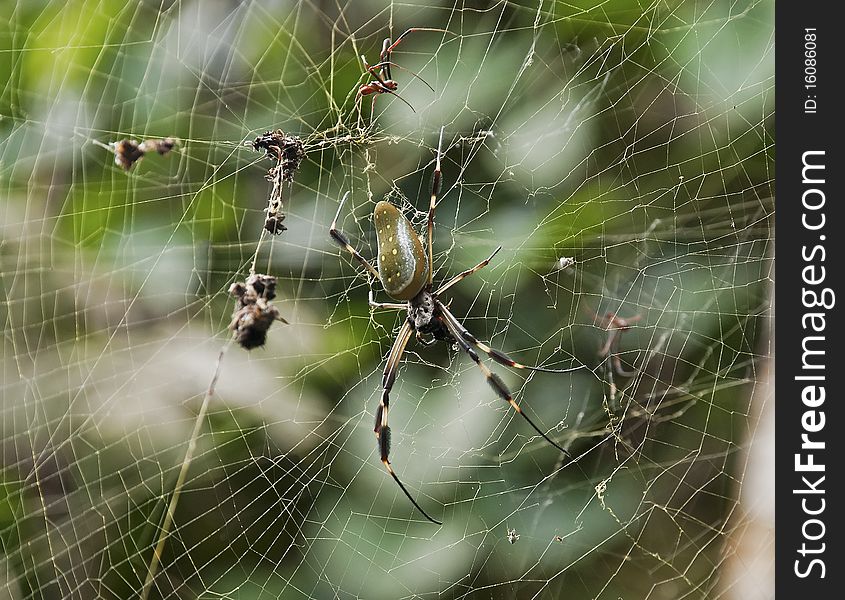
288 151
513 536
564 262
406 272
383 82
254 313
127 152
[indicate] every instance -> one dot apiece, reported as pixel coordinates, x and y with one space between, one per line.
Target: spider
406 271
609 353
384 83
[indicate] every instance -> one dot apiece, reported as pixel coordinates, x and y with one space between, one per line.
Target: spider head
421 311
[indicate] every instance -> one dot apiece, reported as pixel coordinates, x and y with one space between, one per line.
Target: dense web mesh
622 156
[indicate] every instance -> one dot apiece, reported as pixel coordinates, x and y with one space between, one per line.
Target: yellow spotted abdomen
402 263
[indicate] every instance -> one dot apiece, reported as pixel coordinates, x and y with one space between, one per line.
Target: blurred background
621 153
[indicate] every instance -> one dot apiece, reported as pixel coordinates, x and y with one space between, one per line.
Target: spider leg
617 367
382 429
391 92
614 363
616 326
384 57
436 182
631 320
391 305
386 64
388 378
342 241
497 355
374 70
467 273
612 336
391 47
611 382
380 82
497 384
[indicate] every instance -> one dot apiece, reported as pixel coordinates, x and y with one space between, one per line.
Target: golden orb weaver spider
406 273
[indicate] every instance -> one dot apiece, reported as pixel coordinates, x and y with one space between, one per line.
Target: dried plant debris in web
128 152
254 313
288 152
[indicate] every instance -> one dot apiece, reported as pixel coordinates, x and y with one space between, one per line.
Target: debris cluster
254 313
288 152
127 152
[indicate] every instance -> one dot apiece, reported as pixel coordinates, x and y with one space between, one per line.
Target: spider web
622 155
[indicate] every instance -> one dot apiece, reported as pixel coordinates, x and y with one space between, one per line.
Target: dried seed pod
288 152
127 152
254 313
161 146
273 223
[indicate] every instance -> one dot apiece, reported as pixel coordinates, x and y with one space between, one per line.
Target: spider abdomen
402 263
